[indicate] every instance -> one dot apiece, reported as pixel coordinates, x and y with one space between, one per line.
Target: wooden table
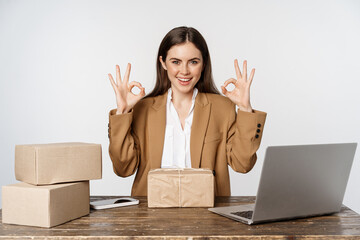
141 222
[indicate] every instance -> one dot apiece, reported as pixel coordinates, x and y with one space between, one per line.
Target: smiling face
184 64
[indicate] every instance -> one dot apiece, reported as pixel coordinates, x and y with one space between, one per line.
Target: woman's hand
240 95
125 99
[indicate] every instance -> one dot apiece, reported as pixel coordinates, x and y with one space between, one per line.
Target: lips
184 79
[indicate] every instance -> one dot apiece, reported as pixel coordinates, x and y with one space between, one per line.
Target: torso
183 112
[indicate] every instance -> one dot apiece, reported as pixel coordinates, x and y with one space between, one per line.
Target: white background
55 56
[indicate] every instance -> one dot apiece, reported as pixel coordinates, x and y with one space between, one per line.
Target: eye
194 62
175 62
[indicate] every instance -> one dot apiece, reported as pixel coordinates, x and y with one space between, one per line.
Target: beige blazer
219 137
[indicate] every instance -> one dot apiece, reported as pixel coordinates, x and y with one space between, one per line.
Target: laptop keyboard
245 214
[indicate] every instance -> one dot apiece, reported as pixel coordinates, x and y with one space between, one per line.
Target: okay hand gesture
125 99
240 95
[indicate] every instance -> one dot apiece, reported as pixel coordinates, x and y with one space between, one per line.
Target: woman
184 121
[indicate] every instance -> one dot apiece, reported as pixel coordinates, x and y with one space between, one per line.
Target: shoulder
222 112
220 102
145 102
142 107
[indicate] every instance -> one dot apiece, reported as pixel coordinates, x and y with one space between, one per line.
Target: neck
179 98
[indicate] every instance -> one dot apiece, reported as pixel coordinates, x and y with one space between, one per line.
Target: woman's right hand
125 99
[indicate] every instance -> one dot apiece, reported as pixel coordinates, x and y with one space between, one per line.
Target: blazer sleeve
123 147
243 140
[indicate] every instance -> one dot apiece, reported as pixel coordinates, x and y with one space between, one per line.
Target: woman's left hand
240 95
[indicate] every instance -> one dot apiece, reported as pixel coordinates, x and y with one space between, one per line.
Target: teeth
184 79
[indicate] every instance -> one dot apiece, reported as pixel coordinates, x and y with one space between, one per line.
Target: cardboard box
44 206
187 187
43 164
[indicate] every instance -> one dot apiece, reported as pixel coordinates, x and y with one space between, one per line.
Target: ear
163 63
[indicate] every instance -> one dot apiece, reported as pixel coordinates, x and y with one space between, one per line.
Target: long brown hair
176 36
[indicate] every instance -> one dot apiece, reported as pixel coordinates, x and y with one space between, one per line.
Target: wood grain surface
141 222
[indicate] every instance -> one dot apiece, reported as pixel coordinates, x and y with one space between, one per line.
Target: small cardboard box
43 164
187 187
44 206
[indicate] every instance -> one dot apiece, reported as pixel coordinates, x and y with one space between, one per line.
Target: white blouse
176 151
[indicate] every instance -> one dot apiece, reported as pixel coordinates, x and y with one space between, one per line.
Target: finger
251 75
142 91
135 84
127 73
224 91
237 69
227 82
245 69
112 82
118 76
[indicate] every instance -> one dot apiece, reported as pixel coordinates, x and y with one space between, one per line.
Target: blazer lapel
157 124
198 129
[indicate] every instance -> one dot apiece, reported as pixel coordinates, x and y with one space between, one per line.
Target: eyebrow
195 58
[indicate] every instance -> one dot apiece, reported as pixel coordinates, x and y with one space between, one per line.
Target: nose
184 69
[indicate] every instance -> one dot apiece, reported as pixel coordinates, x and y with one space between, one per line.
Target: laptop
297 182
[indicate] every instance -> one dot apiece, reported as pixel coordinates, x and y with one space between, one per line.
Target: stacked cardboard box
55 183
